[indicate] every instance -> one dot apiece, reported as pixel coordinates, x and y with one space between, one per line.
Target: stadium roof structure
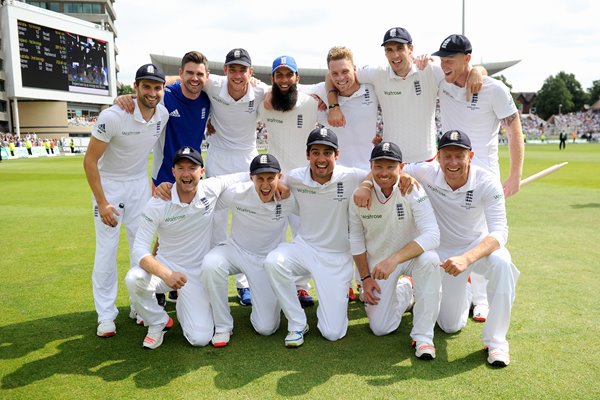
170 65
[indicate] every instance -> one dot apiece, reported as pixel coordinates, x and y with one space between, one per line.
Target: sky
547 36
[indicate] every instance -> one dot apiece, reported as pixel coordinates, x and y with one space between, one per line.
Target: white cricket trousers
223 162
501 275
228 259
134 194
395 297
331 272
193 308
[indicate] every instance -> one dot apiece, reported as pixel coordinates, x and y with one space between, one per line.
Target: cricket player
407 96
321 247
116 168
183 225
482 116
469 206
258 225
397 236
289 120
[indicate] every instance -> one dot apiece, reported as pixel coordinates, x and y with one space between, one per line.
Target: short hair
196 57
340 53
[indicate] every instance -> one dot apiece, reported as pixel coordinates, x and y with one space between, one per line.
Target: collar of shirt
246 98
137 114
392 74
195 201
441 183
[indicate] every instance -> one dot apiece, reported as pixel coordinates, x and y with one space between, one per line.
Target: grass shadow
67 345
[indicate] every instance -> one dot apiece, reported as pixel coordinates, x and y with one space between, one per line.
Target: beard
284 101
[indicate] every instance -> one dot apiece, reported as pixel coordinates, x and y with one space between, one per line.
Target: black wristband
367 276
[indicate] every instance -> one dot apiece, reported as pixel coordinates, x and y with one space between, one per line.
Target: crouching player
258 225
183 224
396 236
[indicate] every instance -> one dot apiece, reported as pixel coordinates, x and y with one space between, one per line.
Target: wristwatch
333 105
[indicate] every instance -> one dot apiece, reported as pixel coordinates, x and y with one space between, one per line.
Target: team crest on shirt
278 212
203 113
251 107
368 98
417 84
158 125
468 200
400 211
300 121
340 192
206 205
474 105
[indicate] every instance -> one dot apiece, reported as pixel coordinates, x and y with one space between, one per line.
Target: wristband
333 91
333 105
367 276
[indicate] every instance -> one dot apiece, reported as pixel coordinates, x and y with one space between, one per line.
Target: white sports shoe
156 334
221 339
480 312
295 338
106 328
498 357
424 351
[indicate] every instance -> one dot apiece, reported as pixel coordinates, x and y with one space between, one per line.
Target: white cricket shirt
288 131
256 227
323 209
478 118
392 223
130 140
234 121
184 230
408 108
468 214
360 111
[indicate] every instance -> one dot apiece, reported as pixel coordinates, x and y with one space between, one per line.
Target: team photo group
359 188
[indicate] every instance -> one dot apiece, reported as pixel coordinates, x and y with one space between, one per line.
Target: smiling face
193 77
343 75
455 163
322 162
187 175
386 173
238 77
456 68
265 185
399 56
148 93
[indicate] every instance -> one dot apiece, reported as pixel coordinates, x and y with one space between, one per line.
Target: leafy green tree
594 92
503 79
553 93
124 89
580 97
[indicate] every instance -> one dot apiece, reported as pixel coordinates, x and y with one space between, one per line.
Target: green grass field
49 350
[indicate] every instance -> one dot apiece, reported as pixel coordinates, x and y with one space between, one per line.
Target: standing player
396 236
188 108
407 96
321 247
183 226
488 110
469 206
257 227
116 167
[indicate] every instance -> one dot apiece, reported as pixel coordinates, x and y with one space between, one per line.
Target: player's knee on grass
198 339
449 325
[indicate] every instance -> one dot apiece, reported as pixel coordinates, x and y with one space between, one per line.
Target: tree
580 97
594 92
124 89
553 97
503 79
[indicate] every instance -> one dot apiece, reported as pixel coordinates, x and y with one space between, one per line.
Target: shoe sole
106 334
220 344
499 364
293 345
425 357
479 319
